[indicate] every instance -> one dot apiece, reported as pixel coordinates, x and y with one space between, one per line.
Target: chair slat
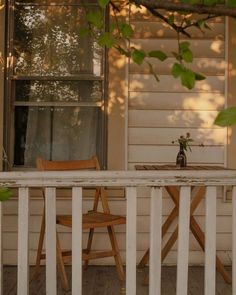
131 243
210 241
155 241
183 241
23 243
51 274
77 241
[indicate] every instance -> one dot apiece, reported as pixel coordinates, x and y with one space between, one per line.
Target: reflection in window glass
69 91
47 42
56 67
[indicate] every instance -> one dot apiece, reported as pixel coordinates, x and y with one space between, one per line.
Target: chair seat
93 220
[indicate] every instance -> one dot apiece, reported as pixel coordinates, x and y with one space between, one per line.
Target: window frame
11 79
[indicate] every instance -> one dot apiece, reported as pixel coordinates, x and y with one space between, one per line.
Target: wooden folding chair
91 220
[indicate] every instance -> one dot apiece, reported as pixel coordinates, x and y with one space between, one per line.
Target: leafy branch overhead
180 16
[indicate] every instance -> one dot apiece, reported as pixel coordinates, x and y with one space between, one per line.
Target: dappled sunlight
232 70
191 119
212 136
205 63
205 101
117 101
216 46
230 133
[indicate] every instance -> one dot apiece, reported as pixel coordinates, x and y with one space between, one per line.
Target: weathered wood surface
104 281
118 178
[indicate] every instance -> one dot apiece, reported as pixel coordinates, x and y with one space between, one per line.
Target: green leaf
5 194
84 32
195 2
126 30
138 56
231 3
184 46
158 54
103 3
177 69
95 18
106 40
200 24
199 77
171 19
188 78
187 55
226 117
210 2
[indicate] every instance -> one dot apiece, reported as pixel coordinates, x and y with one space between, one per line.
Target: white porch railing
130 180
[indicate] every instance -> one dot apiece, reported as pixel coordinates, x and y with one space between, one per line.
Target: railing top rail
117 178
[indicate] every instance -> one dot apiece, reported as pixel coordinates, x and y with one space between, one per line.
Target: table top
174 167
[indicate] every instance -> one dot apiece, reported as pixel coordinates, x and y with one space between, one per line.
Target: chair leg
89 245
61 267
118 261
40 246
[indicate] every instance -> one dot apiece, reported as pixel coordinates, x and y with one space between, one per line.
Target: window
56 84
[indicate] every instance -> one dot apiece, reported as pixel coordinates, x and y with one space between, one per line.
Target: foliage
178 15
5 194
226 117
184 141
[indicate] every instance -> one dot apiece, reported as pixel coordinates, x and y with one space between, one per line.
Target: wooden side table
194 226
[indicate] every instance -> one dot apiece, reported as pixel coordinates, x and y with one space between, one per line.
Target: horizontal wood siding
159 113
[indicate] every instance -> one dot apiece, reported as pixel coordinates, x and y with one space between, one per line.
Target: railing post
155 241
183 241
131 243
23 242
51 271
76 241
210 241
234 241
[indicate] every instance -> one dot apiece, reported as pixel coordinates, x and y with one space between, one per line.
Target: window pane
47 42
56 133
58 91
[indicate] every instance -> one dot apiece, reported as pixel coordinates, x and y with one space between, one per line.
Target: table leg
174 194
165 227
200 237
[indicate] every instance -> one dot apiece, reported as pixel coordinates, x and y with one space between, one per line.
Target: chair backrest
46 165
89 164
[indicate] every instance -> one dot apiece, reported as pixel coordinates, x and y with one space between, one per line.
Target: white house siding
159 113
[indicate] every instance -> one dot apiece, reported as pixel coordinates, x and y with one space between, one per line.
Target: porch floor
102 280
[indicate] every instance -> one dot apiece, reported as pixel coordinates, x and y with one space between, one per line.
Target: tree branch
216 9
178 29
